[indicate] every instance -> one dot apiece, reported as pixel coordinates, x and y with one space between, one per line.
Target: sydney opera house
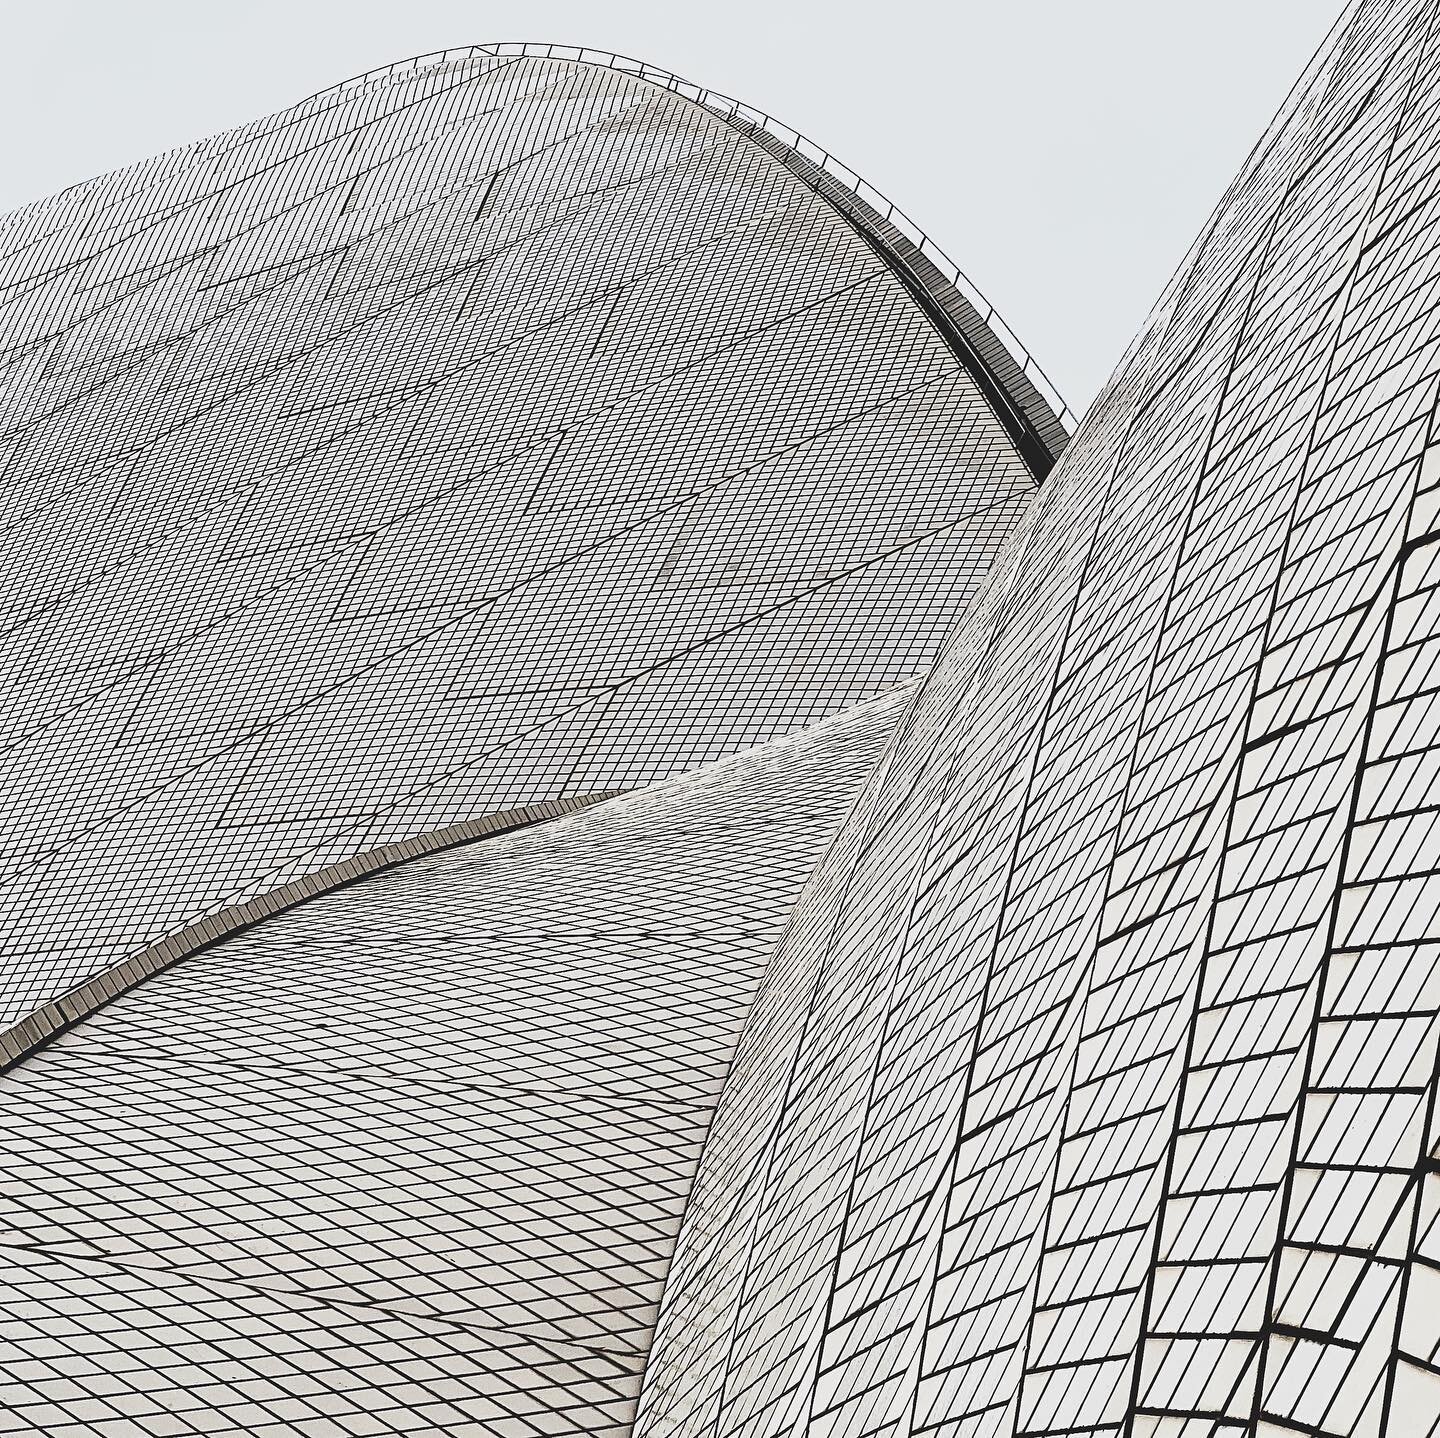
615 825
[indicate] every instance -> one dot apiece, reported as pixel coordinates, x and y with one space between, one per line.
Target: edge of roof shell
1026 402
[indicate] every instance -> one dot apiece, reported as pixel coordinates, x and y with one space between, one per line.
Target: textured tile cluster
412 1156
1093 1091
483 432
1047 1049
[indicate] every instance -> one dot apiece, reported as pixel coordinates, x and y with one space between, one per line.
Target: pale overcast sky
1064 152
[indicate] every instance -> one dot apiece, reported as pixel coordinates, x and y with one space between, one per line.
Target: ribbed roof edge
1029 405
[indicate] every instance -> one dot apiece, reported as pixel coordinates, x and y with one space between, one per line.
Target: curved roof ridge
1030 405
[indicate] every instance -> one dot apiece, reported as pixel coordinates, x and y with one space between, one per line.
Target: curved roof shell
410 1157
496 430
1100 1091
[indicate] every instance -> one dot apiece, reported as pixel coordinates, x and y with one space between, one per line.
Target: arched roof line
1025 401
53 1017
